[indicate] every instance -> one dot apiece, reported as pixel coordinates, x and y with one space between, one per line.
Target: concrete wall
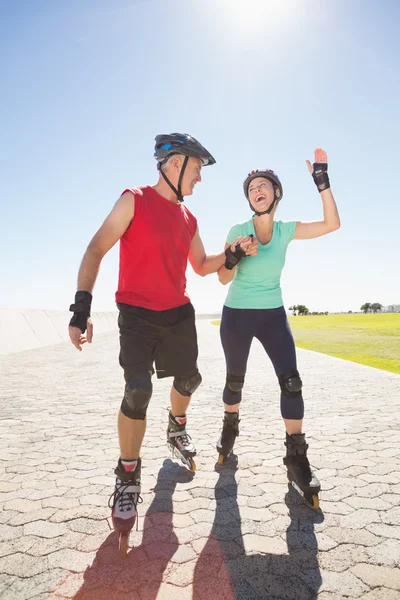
25 329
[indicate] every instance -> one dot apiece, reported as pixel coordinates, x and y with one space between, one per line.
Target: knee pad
233 389
137 397
292 404
186 386
291 384
235 383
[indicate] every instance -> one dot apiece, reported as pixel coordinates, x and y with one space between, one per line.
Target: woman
254 308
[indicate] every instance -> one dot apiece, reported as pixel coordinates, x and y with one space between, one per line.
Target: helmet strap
185 162
177 192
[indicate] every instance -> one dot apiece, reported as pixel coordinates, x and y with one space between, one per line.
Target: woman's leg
276 337
236 337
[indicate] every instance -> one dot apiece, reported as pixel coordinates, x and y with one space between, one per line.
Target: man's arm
226 275
204 265
201 263
113 228
109 233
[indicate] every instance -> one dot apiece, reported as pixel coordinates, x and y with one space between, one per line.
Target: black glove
232 258
320 176
81 310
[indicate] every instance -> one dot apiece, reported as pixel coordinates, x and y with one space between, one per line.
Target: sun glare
249 17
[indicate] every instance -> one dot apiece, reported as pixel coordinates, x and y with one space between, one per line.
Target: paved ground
233 533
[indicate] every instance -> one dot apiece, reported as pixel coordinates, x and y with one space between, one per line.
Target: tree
300 309
376 306
365 307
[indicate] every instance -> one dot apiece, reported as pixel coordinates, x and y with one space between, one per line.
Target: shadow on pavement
110 577
286 570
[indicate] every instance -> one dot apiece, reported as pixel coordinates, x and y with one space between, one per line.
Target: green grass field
370 339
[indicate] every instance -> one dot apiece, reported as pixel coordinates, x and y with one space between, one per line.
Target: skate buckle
298 489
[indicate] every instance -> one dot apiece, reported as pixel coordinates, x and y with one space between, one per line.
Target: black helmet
168 144
273 178
180 143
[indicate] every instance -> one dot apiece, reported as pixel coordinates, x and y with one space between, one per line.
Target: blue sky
86 86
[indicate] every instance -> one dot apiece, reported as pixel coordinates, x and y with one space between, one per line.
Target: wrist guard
232 258
320 176
81 310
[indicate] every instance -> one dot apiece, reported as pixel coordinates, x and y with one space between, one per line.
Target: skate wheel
192 465
123 544
315 502
221 459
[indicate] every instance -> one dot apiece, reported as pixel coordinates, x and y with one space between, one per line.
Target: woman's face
261 193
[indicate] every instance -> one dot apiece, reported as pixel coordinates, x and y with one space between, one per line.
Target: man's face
192 175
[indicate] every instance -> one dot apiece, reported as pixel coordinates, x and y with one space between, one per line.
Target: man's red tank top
154 252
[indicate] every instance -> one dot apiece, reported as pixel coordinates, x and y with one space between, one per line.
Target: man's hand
78 338
240 247
81 321
248 244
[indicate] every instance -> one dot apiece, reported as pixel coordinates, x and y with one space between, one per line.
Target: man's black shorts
167 338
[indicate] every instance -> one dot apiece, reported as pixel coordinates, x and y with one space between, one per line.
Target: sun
252 17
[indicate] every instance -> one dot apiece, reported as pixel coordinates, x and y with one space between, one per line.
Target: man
158 235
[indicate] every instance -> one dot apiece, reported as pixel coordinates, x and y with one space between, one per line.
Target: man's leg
179 403
180 400
177 356
177 435
132 415
131 433
137 341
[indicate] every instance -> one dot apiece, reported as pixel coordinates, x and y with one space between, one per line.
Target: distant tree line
301 309
368 307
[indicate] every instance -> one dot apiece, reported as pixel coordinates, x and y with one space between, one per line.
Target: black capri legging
270 326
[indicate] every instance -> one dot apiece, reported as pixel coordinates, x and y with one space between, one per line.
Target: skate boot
298 469
180 442
230 431
124 500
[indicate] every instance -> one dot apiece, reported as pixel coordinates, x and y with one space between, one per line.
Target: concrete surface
235 532
26 329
